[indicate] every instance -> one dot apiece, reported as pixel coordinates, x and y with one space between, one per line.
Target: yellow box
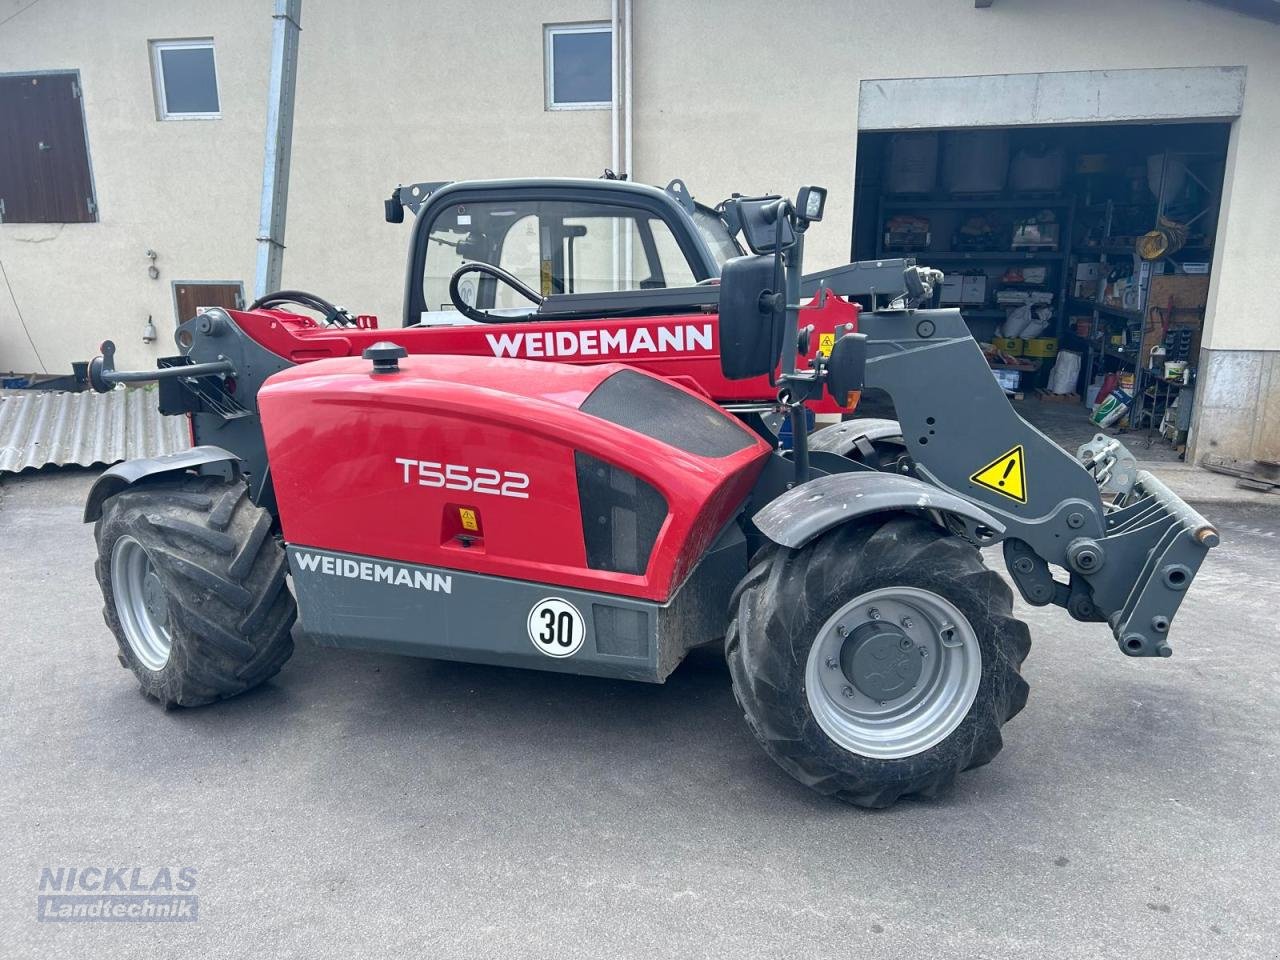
1013 346
1040 347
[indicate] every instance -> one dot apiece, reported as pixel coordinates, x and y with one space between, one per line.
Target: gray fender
813 508
124 475
840 438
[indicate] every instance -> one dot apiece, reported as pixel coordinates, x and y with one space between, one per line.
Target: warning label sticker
1006 475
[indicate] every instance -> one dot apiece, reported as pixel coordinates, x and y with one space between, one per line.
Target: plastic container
1012 346
1041 347
1038 169
911 163
975 161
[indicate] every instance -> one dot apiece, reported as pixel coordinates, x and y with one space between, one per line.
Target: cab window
554 246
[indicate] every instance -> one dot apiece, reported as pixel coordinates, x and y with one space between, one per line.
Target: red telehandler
590 483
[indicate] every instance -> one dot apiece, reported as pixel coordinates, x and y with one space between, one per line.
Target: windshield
716 234
554 247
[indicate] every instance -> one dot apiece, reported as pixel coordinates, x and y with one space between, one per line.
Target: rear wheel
878 661
194 584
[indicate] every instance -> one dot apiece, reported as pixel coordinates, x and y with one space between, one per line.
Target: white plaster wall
749 95
187 189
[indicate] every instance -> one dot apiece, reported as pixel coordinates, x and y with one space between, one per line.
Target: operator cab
556 237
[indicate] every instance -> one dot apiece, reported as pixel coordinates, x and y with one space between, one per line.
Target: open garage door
1075 217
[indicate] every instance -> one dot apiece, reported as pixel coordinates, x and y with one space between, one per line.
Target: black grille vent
621 516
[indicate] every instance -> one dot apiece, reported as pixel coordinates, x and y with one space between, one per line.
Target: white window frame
157 77
551 30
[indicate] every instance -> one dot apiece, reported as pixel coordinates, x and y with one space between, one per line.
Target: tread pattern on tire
230 612
786 597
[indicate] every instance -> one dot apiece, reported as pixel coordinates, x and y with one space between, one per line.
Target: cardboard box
1084 286
1010 380
1039 236
973 289
1013 346
952 288
1040 347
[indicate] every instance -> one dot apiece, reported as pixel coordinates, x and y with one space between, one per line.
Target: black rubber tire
230 613
887 454
788 595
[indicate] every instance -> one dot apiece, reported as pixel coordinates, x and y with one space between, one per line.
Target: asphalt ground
365 805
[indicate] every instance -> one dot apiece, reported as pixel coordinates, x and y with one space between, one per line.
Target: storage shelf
1110 250
1107 311
985 256
1114 354
1102 205
1000 205
995 203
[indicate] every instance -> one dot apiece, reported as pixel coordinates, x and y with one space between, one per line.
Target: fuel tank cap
385 356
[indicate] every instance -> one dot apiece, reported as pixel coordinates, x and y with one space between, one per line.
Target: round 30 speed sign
556 627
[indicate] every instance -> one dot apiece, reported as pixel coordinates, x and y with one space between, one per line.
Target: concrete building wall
187 189
403 91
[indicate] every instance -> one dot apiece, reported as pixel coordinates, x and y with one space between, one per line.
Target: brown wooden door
44 160
194 297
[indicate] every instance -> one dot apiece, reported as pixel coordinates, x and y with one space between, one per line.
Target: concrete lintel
1037 99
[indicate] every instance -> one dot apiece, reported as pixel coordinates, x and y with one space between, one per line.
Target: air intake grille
621 516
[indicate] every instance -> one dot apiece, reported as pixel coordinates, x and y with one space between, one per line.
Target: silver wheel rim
860 661
141 604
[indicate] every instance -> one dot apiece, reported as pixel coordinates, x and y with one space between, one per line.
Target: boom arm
1129 563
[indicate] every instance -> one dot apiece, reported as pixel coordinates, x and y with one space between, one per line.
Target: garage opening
1080 257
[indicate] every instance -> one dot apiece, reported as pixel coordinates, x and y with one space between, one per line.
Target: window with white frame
579 65
186 80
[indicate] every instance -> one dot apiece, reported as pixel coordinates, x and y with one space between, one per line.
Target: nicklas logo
117 894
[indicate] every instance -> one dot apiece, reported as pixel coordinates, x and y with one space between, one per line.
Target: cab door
555 240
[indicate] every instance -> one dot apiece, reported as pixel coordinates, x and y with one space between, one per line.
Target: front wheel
194 584
878 661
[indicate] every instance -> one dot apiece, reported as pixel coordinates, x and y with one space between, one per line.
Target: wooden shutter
44 159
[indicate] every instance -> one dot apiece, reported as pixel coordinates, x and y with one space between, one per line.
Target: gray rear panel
346 600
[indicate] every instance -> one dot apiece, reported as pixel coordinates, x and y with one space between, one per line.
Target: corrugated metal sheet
43 427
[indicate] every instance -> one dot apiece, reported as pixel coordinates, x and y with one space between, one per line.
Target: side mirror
847 368
750 336
392 211
757 219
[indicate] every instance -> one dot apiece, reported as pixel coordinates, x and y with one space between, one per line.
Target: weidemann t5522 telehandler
589 483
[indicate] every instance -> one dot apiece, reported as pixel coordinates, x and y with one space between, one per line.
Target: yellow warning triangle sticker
1006 475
